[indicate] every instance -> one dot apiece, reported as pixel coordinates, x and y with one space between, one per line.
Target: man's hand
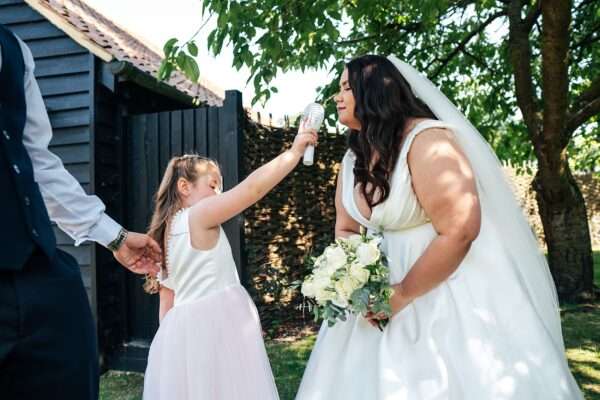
140 254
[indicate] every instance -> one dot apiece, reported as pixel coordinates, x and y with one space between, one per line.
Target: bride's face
345 103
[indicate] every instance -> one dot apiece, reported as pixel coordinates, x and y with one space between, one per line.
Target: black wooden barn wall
63 70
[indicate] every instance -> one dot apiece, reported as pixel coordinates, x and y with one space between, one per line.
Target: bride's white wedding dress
477 336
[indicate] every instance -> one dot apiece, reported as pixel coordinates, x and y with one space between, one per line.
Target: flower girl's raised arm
215 210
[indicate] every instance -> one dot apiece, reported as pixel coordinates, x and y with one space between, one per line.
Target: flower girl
209 343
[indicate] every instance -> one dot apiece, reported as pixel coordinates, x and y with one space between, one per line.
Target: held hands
305 137
140 254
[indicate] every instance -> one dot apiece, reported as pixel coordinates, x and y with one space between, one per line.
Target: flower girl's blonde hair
167 202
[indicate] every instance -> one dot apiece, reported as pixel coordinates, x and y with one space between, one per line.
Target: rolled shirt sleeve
78 214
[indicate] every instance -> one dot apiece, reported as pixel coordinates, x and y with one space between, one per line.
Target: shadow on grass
115 385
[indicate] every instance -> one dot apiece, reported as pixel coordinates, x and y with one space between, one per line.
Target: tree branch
555 79
520 58
478 60
408 28
581 9
348 42
582 115
584 107
462 45
590 94
532 17
587 39
580 18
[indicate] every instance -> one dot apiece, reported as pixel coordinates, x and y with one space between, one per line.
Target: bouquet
351 276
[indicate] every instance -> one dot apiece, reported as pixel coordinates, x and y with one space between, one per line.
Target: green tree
525 72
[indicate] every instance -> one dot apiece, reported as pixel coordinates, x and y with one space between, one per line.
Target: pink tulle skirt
211 349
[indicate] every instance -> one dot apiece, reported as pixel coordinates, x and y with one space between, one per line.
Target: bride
475 313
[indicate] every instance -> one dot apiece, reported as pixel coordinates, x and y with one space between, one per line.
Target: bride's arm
345 225
445 187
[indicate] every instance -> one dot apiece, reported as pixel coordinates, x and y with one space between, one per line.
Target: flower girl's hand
304 138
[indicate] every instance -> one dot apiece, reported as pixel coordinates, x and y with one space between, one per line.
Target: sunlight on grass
288 360
585 365
581 331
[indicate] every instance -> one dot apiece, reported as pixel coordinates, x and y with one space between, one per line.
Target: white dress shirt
78 214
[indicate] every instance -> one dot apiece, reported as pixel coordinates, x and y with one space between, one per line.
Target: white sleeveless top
192 273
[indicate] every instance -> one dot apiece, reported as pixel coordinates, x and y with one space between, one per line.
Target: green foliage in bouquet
351 276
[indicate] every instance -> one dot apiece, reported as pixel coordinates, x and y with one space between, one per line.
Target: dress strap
418 128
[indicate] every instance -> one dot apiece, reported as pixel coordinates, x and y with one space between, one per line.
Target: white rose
320 261
322 281
336 258
323 294
354 240
322 273
367 253
345 286
376 240
359 272
308 288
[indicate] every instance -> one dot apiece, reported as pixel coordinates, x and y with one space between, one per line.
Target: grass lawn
288 359
581 330
115 385
597 267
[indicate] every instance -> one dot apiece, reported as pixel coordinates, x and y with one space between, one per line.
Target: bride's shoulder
435 133
429 130
426 138
427 125
433 144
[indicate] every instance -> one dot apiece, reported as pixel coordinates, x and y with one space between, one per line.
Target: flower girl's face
345 103
209 183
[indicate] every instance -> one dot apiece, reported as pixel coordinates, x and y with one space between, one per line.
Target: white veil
497 200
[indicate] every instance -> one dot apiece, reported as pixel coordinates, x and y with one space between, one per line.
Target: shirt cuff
104 232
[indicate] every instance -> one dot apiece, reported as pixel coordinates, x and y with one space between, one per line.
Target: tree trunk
561 204
564 218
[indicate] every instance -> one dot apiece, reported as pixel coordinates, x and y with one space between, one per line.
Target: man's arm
78 214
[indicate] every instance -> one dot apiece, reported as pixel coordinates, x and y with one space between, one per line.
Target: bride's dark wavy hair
384 102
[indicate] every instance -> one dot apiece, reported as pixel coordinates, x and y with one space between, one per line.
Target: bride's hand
374 319
304 138
398 302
